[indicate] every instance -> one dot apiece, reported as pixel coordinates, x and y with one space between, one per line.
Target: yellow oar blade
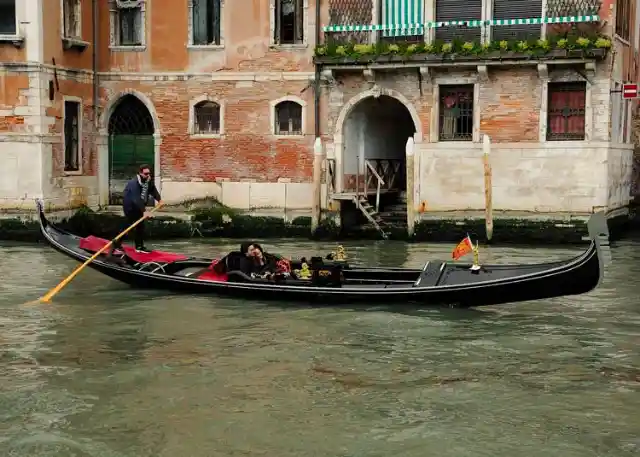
49 295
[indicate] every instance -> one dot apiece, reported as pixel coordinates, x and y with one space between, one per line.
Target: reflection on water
110 371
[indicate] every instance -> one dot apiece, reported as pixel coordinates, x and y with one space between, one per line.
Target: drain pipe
94 60
317 75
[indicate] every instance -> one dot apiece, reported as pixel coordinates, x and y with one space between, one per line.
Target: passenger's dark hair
144 166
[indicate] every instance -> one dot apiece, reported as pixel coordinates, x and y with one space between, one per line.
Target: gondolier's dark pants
138 230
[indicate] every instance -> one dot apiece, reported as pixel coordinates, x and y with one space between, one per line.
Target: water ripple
110 371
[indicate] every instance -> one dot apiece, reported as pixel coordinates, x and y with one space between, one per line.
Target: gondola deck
437 283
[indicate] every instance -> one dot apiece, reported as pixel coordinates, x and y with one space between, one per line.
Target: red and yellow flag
463 248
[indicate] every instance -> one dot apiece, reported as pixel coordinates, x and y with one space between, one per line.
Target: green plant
534 46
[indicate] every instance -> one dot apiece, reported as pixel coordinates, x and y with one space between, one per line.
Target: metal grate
288 118
130 117
566 111
456 113
558 8
350 12
207 118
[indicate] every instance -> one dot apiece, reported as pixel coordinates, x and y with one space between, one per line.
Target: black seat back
233 261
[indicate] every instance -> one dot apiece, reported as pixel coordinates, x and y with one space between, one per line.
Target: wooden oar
49 295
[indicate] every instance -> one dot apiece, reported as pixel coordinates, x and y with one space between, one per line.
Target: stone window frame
305 28
544 106
192 117
16 38
69 41
190 44
621 23
273 115
113 25
434 130
63 28
80 170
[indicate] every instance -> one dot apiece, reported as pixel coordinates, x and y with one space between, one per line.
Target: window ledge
206 136
288 47
119 48
16 40
72 172
205 47
292 137
74 43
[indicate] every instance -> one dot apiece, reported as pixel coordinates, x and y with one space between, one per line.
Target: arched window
206 118
288 118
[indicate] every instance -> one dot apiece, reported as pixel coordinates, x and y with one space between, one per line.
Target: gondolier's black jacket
132 203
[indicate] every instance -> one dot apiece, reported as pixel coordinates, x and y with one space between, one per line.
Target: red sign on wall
629 91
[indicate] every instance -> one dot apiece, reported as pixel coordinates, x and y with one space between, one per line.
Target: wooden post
411 207
488 203
317 185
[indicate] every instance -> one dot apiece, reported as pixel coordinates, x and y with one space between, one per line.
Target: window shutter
516 9
458 10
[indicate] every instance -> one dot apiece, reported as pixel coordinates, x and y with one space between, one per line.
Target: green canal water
106 371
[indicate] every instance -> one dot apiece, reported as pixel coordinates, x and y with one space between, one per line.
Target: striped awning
414 26
407 15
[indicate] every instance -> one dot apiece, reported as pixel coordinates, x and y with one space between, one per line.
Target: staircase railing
330 177
370 173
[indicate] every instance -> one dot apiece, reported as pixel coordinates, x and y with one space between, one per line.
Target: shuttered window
516 9
458 10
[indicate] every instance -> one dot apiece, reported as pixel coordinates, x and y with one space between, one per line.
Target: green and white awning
408 12
396 12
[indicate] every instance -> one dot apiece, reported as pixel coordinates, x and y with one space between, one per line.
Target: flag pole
476 257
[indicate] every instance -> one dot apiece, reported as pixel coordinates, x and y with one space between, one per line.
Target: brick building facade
560 130
219 97
214 94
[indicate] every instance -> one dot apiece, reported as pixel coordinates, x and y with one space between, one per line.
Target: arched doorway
131 143
375 136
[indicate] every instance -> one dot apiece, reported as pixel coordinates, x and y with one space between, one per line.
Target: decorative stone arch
338 135
288 98
103 141
192 115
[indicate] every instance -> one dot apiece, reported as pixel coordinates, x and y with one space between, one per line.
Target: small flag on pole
463 248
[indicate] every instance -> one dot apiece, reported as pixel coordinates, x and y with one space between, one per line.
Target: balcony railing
370 21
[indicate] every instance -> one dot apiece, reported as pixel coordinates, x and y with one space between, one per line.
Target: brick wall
246 149
12 98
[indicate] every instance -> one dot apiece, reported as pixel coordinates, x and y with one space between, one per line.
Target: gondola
331 282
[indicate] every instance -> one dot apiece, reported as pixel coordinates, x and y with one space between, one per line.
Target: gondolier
135 199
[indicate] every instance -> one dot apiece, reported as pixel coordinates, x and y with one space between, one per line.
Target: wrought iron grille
350 12
131 117
456 113
561 8
566 111
288 118
207 118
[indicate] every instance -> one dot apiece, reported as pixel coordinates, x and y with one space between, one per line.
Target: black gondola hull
451 284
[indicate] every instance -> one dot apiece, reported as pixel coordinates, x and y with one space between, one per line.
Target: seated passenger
261 264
